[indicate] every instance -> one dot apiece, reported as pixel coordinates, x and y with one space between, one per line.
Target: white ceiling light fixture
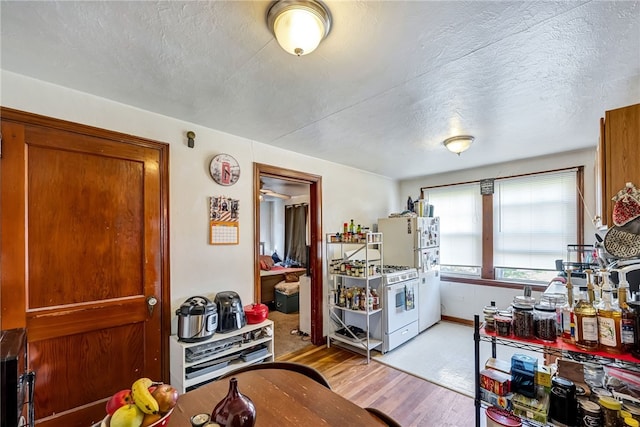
458 144
299 25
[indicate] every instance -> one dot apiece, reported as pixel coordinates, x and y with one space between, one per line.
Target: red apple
121 398
166 396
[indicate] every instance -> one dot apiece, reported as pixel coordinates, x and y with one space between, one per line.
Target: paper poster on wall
224 214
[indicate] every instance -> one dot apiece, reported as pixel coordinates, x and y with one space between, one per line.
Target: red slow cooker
256 313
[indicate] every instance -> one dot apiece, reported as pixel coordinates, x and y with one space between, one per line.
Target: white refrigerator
415 242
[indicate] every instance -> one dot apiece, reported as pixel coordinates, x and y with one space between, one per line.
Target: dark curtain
295 235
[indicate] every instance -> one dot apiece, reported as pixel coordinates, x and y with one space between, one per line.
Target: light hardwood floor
412 401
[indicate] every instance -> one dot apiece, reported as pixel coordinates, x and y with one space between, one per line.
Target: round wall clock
224 169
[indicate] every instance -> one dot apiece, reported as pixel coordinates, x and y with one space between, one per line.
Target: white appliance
415 241
399 305
304 301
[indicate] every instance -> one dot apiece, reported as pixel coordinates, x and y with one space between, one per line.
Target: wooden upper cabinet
618 155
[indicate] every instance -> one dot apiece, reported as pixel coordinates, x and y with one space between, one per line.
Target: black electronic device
231 315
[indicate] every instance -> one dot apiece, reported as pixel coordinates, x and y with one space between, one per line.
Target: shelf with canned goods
355 292
558 348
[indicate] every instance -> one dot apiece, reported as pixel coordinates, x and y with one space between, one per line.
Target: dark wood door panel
38 136
95 365
84 215
46 324
78 213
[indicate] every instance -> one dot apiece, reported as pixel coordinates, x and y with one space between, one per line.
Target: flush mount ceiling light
458 144
299 25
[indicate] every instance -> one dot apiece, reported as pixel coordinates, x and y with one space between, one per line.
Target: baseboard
465 322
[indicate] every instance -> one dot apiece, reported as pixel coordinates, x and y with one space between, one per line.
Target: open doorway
280 182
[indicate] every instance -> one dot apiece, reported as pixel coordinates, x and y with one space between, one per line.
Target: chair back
290 366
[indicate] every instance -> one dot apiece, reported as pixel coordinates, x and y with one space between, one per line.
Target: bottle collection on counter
593 319
596 320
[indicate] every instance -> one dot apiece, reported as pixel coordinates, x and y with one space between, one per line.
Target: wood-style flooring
412 401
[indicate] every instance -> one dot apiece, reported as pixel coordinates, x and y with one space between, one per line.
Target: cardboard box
533 408
524 363
543 376
495 381
498 365
503 402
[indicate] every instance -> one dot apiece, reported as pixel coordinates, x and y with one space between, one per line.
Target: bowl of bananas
146 404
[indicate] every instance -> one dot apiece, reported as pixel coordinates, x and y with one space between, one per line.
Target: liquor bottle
352 227
609 319
362 300
628 321
568 321
342 298
586 322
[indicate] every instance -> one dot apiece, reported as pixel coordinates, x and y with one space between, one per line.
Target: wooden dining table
281 398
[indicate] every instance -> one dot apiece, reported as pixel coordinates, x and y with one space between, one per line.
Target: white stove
398 273
400 311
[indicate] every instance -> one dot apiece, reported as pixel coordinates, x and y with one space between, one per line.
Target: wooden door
620 146
84 244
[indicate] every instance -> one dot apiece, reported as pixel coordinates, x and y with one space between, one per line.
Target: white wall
464 300
196 266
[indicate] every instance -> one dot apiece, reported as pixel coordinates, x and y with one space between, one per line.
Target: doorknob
151 302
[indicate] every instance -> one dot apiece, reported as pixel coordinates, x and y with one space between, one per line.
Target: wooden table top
281 398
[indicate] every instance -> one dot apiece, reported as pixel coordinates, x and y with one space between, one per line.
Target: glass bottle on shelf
591 293
375 298
568 322
628 320
352 227
342 298
586 320
609 319
355 304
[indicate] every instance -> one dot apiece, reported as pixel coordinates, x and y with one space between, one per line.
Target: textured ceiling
392 80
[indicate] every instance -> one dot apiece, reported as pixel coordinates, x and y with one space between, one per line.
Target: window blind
534 220
460 210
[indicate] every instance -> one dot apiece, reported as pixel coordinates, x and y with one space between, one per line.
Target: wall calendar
224 213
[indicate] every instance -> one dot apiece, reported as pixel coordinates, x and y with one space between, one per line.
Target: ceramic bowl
160 423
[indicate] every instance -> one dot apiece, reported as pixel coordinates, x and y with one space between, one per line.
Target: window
534 218
534 221
460 210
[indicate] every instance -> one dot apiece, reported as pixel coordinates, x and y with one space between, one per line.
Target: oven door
400 307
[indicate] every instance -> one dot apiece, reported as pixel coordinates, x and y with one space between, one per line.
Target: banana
127 416
142 397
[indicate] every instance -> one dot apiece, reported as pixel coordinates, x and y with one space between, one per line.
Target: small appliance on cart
197 319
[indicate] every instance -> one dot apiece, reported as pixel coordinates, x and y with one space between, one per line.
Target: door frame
315 244
12 298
